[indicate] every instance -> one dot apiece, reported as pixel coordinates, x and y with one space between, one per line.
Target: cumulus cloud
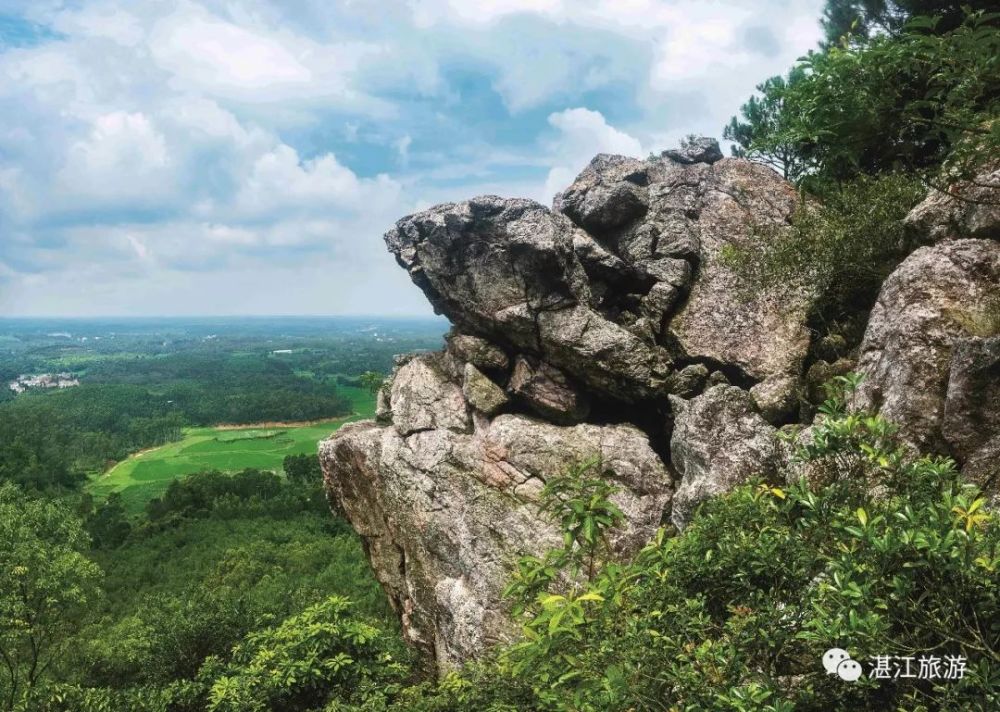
582 133
122 162
176 156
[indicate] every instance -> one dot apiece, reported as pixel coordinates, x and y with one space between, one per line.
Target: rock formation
931 355
610 327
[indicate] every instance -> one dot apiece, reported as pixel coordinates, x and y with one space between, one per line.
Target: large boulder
591 329
969 209
719 441
548 392
971 423
445 515
929 355
422 398
624 281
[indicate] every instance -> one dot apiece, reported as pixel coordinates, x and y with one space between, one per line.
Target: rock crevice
610 327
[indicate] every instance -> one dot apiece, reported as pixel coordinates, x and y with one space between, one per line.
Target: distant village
43 380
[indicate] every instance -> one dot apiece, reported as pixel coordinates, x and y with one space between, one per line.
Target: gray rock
971 423
689 381
697 150
508 269
422 398
766 337
608 194
929 341
383 408
596 301
613 307
444 515
482 393
479 352
776 398
719 442
973 210
547 391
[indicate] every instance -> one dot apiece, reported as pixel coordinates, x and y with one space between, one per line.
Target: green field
146 475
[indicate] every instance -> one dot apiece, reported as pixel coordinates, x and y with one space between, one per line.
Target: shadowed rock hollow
607 326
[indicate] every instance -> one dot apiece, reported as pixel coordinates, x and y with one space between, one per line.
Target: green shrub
895 556
841 250
325 654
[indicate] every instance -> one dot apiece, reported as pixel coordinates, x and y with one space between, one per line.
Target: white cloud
207 51
198 147
402 146
280 180
582 134
124 160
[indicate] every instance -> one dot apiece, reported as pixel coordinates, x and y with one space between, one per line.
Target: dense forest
142 383
238 592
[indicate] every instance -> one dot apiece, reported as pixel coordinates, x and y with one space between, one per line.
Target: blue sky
245 156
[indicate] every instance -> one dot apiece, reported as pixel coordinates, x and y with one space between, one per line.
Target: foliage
923 98
760 133
45 583
372 380
579 500
892 556
198 494
213 570
865 19
303 468
325 654
841 250
108 523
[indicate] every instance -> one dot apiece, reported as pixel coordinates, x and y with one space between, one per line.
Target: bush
325 654
894 557
841 250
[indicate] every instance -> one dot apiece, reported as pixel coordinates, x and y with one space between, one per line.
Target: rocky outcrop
610 326
547 391
622 283
445 514
930 357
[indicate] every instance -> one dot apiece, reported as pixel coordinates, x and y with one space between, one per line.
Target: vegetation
46 584
207 575
870 549
902 97
892 556
840 250
147 474
147 383
923 97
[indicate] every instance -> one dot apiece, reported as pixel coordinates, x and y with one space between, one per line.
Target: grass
147 474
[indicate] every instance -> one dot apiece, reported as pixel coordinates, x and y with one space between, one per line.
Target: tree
923 100
762 135
302 468
372 380
108 525
45 584
864 19
327 653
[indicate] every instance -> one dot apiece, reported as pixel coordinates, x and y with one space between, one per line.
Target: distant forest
143 382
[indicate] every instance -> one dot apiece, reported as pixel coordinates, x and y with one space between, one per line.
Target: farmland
147 474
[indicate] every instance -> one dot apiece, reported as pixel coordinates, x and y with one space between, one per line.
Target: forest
241 592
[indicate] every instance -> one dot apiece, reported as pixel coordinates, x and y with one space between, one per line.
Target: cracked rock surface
611 327
931 357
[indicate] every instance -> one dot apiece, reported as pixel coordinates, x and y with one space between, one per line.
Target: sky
215 157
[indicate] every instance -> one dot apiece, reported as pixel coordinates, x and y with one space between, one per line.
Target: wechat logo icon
837 661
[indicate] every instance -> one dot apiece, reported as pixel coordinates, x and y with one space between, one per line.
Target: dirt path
277 424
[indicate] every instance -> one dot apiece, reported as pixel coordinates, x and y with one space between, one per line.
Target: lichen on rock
610 327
